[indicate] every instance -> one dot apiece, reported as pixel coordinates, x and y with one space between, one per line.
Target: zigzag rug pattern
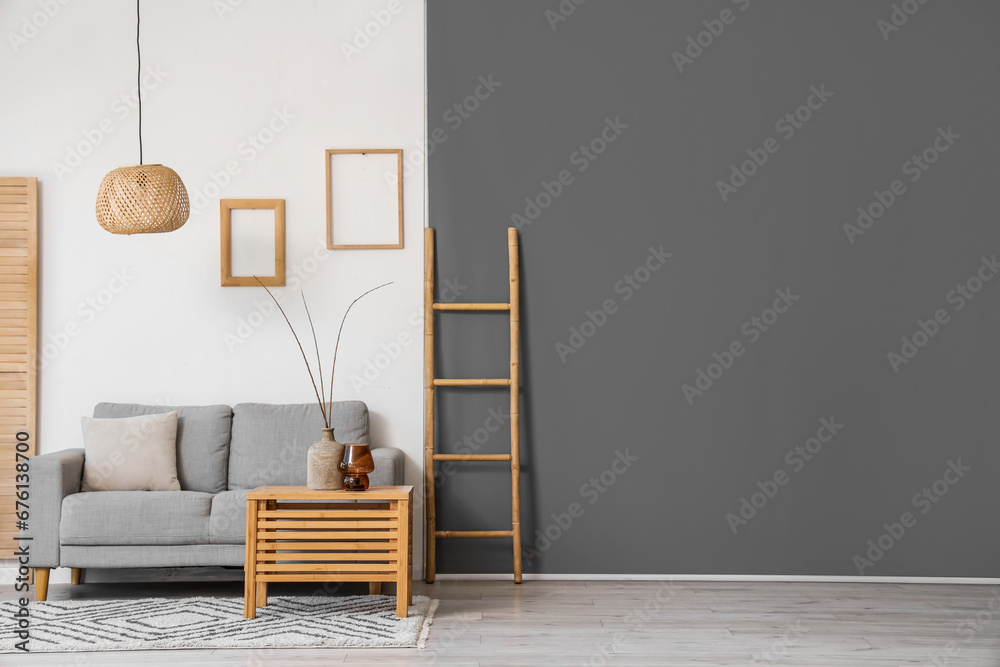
166 623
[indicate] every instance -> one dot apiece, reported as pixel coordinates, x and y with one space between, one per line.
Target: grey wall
854 294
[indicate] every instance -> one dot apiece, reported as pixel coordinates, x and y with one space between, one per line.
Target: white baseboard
817 579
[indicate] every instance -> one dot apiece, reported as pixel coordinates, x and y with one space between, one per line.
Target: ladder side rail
515 382
429 511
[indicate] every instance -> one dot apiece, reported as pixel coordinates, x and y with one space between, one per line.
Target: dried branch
306 360
337 346
319 364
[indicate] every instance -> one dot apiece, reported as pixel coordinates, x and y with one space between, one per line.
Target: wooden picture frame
330 175
227 206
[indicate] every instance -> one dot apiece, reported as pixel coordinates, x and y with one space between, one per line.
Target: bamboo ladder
431 382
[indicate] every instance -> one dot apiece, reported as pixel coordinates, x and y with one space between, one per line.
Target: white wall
163 337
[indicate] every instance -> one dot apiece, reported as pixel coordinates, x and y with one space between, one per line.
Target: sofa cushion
202 440
389 467
228 522
270 441
130 453
112 518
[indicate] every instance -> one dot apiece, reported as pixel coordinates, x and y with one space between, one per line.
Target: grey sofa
222 452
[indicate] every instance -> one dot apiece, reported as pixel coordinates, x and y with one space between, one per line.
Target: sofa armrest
52 477
389 466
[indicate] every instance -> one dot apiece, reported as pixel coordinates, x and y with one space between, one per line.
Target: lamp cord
138 76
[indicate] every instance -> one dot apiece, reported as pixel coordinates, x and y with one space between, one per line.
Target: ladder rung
473 533
472 457
470 382
471 306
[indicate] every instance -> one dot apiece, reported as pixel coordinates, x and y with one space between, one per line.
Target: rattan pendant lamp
146 198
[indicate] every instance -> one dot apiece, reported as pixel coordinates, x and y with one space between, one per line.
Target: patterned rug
166 623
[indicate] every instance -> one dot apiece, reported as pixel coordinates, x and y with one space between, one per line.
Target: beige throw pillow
131 454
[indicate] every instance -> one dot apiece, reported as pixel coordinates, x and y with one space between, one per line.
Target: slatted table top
302 492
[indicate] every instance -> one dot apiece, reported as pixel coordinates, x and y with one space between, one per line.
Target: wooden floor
631 623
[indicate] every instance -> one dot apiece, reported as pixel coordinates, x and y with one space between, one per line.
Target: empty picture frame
364 198
247 245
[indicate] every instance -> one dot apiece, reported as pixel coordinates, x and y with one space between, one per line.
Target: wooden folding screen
18 338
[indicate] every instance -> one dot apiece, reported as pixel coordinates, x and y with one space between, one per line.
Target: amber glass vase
356 465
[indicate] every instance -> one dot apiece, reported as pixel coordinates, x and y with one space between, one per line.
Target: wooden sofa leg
41 583
76 576
374 587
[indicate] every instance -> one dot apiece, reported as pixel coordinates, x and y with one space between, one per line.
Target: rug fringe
426 629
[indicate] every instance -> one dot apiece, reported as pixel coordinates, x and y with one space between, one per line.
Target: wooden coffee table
297 534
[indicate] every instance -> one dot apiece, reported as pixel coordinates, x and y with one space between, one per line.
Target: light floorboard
487 623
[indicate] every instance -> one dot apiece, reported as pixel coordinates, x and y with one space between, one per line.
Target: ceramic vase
324 464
